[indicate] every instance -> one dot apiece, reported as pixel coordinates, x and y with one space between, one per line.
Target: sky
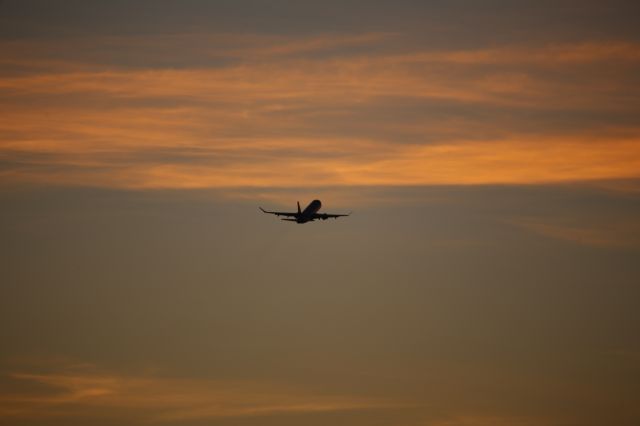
488 276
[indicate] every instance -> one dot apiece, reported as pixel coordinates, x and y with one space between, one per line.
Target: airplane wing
294 214
325 216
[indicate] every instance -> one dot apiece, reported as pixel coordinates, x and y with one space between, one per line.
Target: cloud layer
74 390
272 111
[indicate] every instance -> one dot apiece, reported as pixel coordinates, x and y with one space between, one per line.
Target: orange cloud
518 161
486 420
72 392
256 122
549 55
151 152
266 75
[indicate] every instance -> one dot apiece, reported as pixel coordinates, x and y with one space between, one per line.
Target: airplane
309 214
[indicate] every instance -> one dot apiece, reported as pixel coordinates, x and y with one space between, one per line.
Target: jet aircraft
309 214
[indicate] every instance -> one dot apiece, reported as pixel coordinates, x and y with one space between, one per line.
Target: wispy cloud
92 52
464 76
72 391
320 162
488 420
619 234
310 108
550 55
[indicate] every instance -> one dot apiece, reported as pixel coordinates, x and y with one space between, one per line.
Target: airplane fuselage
307 214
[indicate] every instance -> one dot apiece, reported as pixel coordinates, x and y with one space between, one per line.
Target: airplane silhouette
309 214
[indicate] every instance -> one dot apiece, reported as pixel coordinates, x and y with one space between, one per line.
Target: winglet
263 210
299 211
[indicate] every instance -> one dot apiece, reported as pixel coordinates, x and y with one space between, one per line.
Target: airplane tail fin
299 211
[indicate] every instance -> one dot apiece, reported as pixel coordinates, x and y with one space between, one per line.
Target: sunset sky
489 274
